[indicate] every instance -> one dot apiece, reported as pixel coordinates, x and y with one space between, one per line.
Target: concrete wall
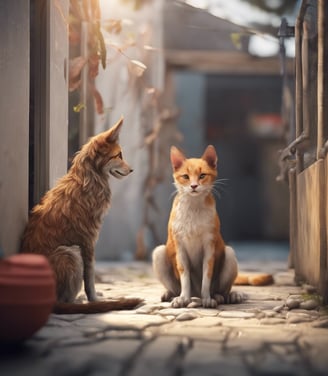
57 90
47 115
14 129
124 93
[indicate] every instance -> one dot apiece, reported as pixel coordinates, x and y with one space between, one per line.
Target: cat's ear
210 156
177 158
113 133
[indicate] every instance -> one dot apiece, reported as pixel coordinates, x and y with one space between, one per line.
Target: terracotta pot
27 296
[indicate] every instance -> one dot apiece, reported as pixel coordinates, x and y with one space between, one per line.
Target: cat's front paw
209 302
167 296
219 299
180 302
234 298
92 295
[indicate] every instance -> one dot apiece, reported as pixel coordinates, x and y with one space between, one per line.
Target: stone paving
278 330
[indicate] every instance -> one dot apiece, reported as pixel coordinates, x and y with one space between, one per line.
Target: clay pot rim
26 260
17 275
21 283
24 269
47 302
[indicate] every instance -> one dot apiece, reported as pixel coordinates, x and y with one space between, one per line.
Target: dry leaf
93 65
138 4
150 48
75 67
74 85
141 250
236 40
113 26
98 101
137 67
79 107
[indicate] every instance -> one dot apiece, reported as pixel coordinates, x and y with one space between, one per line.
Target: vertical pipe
83 126
322 88
322 74
306 82
298 87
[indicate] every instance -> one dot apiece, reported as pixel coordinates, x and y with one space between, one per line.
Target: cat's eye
185 176
202 176
119 155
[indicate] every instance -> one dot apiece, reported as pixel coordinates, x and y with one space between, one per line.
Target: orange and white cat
195 260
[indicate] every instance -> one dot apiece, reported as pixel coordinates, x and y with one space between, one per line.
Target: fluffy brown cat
64 226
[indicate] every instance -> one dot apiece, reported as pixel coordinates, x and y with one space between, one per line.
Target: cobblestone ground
278 330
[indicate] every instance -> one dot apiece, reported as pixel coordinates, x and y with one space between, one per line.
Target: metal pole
322 76
83 126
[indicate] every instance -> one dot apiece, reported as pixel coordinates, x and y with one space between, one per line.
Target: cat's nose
193 186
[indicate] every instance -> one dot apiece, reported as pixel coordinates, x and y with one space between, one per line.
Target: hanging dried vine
86 11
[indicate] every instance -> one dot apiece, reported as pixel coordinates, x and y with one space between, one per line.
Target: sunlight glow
202 4
263 46
237 11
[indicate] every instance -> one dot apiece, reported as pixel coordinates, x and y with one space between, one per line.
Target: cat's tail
254 279
96 307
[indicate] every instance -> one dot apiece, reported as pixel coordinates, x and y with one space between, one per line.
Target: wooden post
292 258
323 286
322 76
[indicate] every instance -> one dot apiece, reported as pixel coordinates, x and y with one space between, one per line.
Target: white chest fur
193 225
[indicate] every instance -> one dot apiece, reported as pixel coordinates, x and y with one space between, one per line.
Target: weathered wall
14 108
124 93
57 90
309 236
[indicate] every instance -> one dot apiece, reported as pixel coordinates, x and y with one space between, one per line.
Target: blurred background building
187 73
248 76
218 75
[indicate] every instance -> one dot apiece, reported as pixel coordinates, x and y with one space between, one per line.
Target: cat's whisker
221 181
221 184
223 191
220 187
216 193
223 188
173 193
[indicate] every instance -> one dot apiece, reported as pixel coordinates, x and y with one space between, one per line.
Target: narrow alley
279 329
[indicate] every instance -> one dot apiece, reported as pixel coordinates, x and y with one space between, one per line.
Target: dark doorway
244 124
